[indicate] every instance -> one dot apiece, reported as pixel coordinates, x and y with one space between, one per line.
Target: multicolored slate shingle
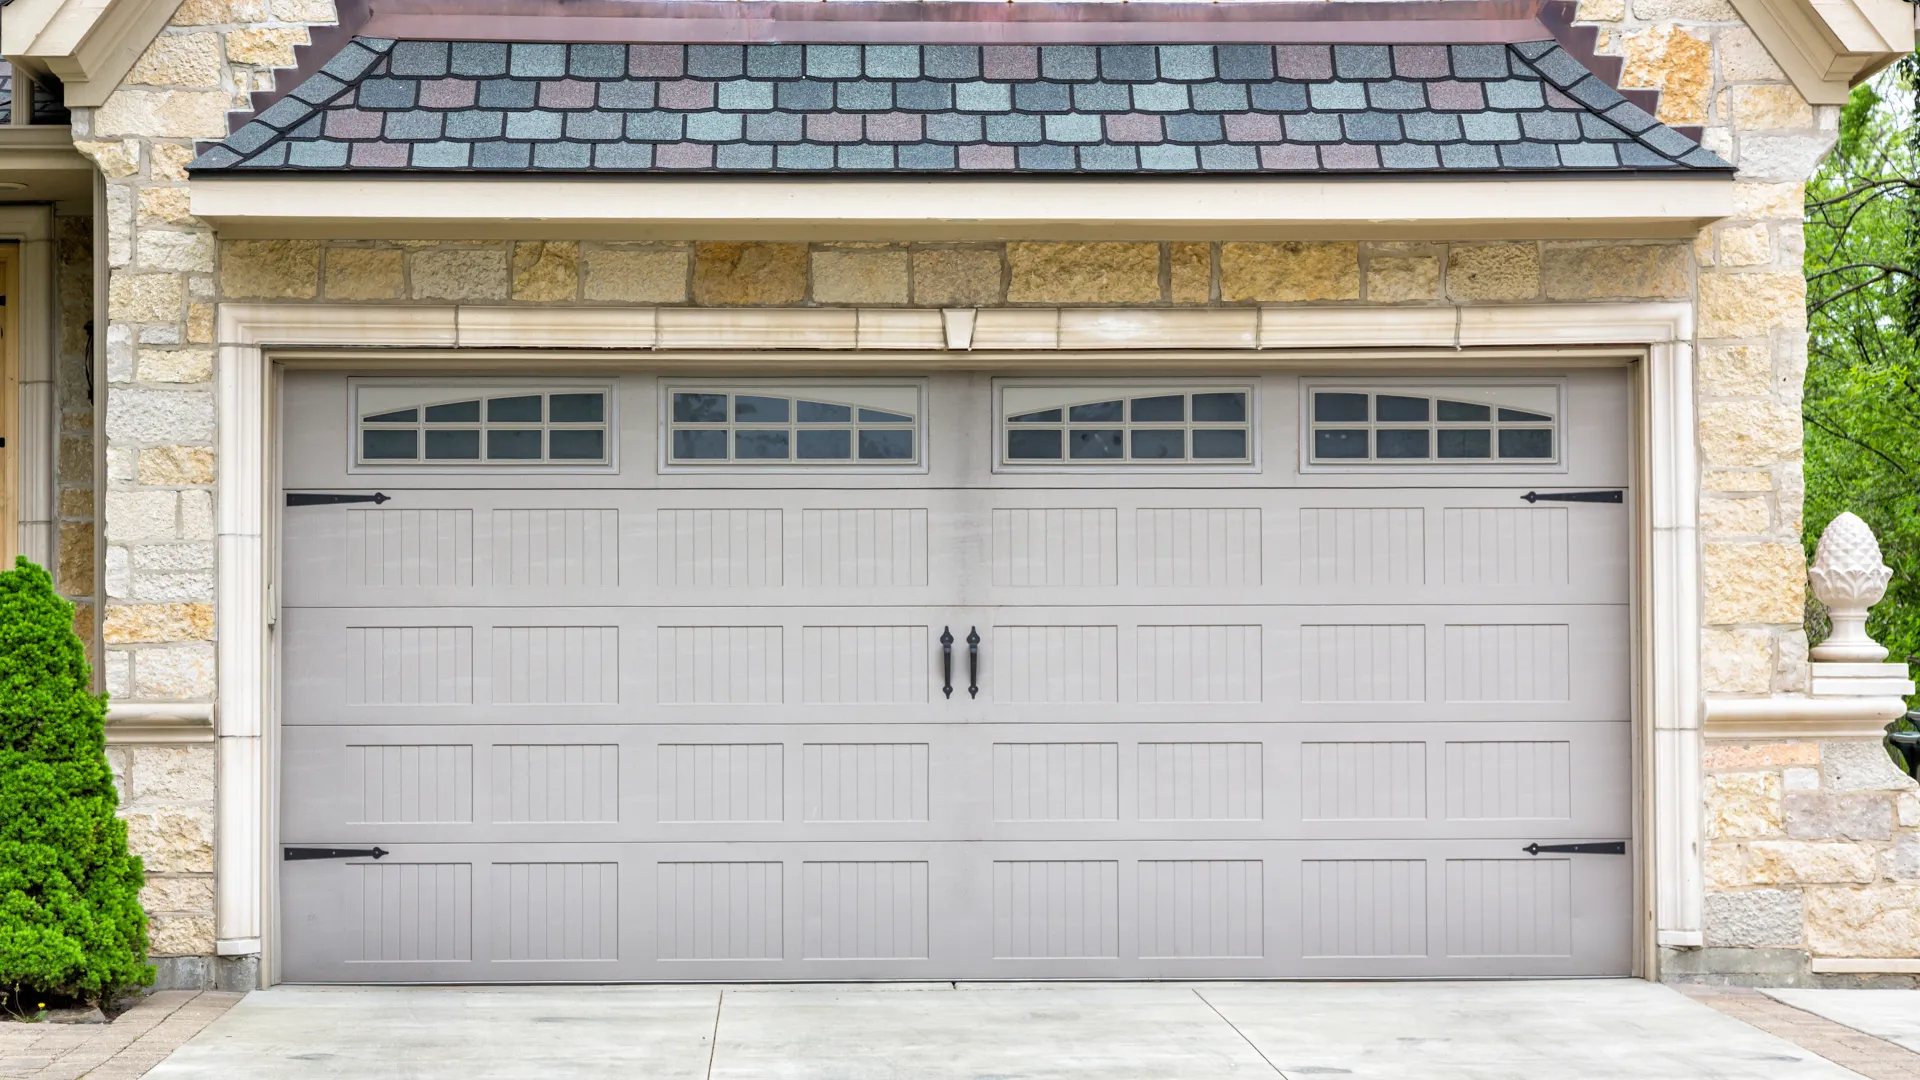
494 107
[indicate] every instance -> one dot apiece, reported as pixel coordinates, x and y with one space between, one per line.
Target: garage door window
1506 425
450 425
1126 425
764 425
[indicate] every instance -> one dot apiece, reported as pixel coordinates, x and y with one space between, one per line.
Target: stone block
366 273
1907 805
637 277
1684 11
173 557
174 366
1493 272
1750 433
142 515
1736 370
185 60
187 252
176 465
1637 271
1800 779
1813 816
1291 271
1190 273
1721 517
181 972
171 839
171 775
1746 920
116 159
1720 755
1861 765
196 515
459 274
75 568
130 623
1751 305
166 206
120 676
546 272
1903 858
1745 245
1789 862
164 114
1735 662
860 277
1882 923
1672 60
1754 583
159 416
167 162
265 46
76 502
1397 280
180 935
185 894
1098 273
175 672
1790 663
1600 11
957 277
749 274
144 297
1724 866
1744 59
1778 158
270 269
200 323
306 11
1742 805
1763 967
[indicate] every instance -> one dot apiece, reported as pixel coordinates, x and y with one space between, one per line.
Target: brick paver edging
1876 1059
135 1042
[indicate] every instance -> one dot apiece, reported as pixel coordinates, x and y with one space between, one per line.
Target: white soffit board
714 208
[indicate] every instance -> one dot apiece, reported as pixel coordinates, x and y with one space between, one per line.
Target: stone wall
75 551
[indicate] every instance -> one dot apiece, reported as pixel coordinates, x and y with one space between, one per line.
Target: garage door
961 677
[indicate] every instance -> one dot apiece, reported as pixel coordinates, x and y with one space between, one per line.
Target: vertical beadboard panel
1197 547
552 548
1363 780
863 910
556 911
863 664
412 911
1363 907
1507 662
1200 782
1052 664
1509 907
719 911
1509 780
1363 663
863 548
409 665
722 782
425 784
864 781
1056 781
1511 545
556 665
1055 546
1058 909
1199 663
1202 908
556 782
733 548
720 665
1354 545
413 548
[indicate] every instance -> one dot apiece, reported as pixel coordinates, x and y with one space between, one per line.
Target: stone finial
1849 578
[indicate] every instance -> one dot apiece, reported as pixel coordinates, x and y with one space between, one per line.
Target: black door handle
973 661
300 854
946 660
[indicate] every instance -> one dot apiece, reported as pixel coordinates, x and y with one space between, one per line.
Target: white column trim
35 428
246 333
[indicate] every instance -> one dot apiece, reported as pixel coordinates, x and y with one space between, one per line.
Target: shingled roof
497 107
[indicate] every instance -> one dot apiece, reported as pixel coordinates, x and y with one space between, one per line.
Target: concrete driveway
1616 1030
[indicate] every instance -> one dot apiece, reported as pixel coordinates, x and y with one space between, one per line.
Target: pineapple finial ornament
1849 577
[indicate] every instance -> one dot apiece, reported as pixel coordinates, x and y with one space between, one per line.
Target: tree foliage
1862 403
70 919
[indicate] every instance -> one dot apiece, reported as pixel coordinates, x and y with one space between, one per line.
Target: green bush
70 919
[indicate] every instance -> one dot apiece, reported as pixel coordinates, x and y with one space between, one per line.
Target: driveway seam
713 1044
1242 1034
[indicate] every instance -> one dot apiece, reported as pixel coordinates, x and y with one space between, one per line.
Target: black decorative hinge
301 854
1576 496
317 498
1603 847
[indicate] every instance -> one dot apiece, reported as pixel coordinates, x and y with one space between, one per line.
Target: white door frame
1666 547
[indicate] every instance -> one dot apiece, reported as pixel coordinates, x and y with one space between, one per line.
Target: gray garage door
643 677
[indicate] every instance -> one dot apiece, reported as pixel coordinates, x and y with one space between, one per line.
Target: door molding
248 336
29 401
